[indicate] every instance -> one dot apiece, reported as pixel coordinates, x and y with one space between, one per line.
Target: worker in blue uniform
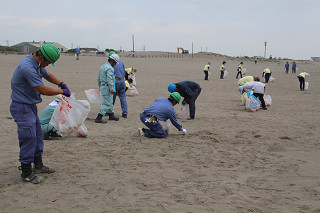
27 88
120 74
190 91
161 110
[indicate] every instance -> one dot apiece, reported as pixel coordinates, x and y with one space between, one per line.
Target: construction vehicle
183 51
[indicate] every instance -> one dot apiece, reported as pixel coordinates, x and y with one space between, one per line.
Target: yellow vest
222 67
303 74
244 80
266 70
206 68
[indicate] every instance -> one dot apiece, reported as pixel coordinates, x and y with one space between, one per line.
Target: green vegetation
7 49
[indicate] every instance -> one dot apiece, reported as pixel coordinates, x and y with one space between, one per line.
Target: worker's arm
53 79
44 90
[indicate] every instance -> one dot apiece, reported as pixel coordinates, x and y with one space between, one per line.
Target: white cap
114 57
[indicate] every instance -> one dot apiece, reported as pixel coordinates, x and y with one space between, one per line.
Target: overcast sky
233 27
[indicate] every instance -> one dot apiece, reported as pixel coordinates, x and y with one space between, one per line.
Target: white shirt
248 86
258 87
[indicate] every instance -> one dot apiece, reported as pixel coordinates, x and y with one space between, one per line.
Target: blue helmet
172 88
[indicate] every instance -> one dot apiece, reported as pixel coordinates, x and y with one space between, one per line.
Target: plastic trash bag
166 126
184 111
69 115
244 98
267 100
306 85
133 77
271 79
81 132
252 103
244 70
133 90
94 96
225 74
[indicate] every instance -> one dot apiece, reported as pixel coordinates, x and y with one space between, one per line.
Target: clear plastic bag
184 111
81 132
133 91
306 85
267 100
252 103
94 96
69 115
166 126
271 79
225 74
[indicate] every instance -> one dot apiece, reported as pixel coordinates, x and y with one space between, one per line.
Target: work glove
66 92
184 131
64 86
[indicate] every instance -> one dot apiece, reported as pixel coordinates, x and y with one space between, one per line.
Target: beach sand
230 160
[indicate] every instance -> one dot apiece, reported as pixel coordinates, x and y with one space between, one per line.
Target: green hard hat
176 96
112 52
50 52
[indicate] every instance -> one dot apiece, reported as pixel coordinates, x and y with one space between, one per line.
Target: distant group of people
294 67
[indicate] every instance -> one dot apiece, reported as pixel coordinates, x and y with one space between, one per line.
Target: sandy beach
230 160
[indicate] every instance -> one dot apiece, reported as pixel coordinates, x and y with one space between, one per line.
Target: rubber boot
99 119
28 176
39 167
112 117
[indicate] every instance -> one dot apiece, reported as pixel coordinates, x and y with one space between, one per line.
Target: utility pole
265 49
132 45
71 45
192 49
8 43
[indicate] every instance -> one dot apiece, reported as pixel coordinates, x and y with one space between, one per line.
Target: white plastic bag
271 79
252 103
69 115
133 90
225 74
94 96
133 77
166 126
267 100
244 70
306 85
184 111
81 132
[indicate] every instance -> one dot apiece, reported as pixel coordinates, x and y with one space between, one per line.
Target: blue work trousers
29 131
155 129
121 92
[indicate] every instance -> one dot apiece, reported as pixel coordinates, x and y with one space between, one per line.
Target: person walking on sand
206 71
222 69
239 70
294 67
120 74
286 67
161 110
302 78
77 50
106 84
190 91
27 88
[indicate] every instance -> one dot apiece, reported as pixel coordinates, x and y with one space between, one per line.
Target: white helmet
115 57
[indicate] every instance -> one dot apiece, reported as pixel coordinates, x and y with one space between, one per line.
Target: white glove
184 131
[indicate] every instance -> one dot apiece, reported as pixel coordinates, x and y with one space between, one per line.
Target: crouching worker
49 132
161 110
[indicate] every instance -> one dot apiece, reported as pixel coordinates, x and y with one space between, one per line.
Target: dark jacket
187 89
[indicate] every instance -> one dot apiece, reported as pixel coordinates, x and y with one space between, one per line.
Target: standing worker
294 67
222 69
190 91
302 78
206 71
161 110
27 88
286 67
266 74
239 70
106 84
119 74
77 50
